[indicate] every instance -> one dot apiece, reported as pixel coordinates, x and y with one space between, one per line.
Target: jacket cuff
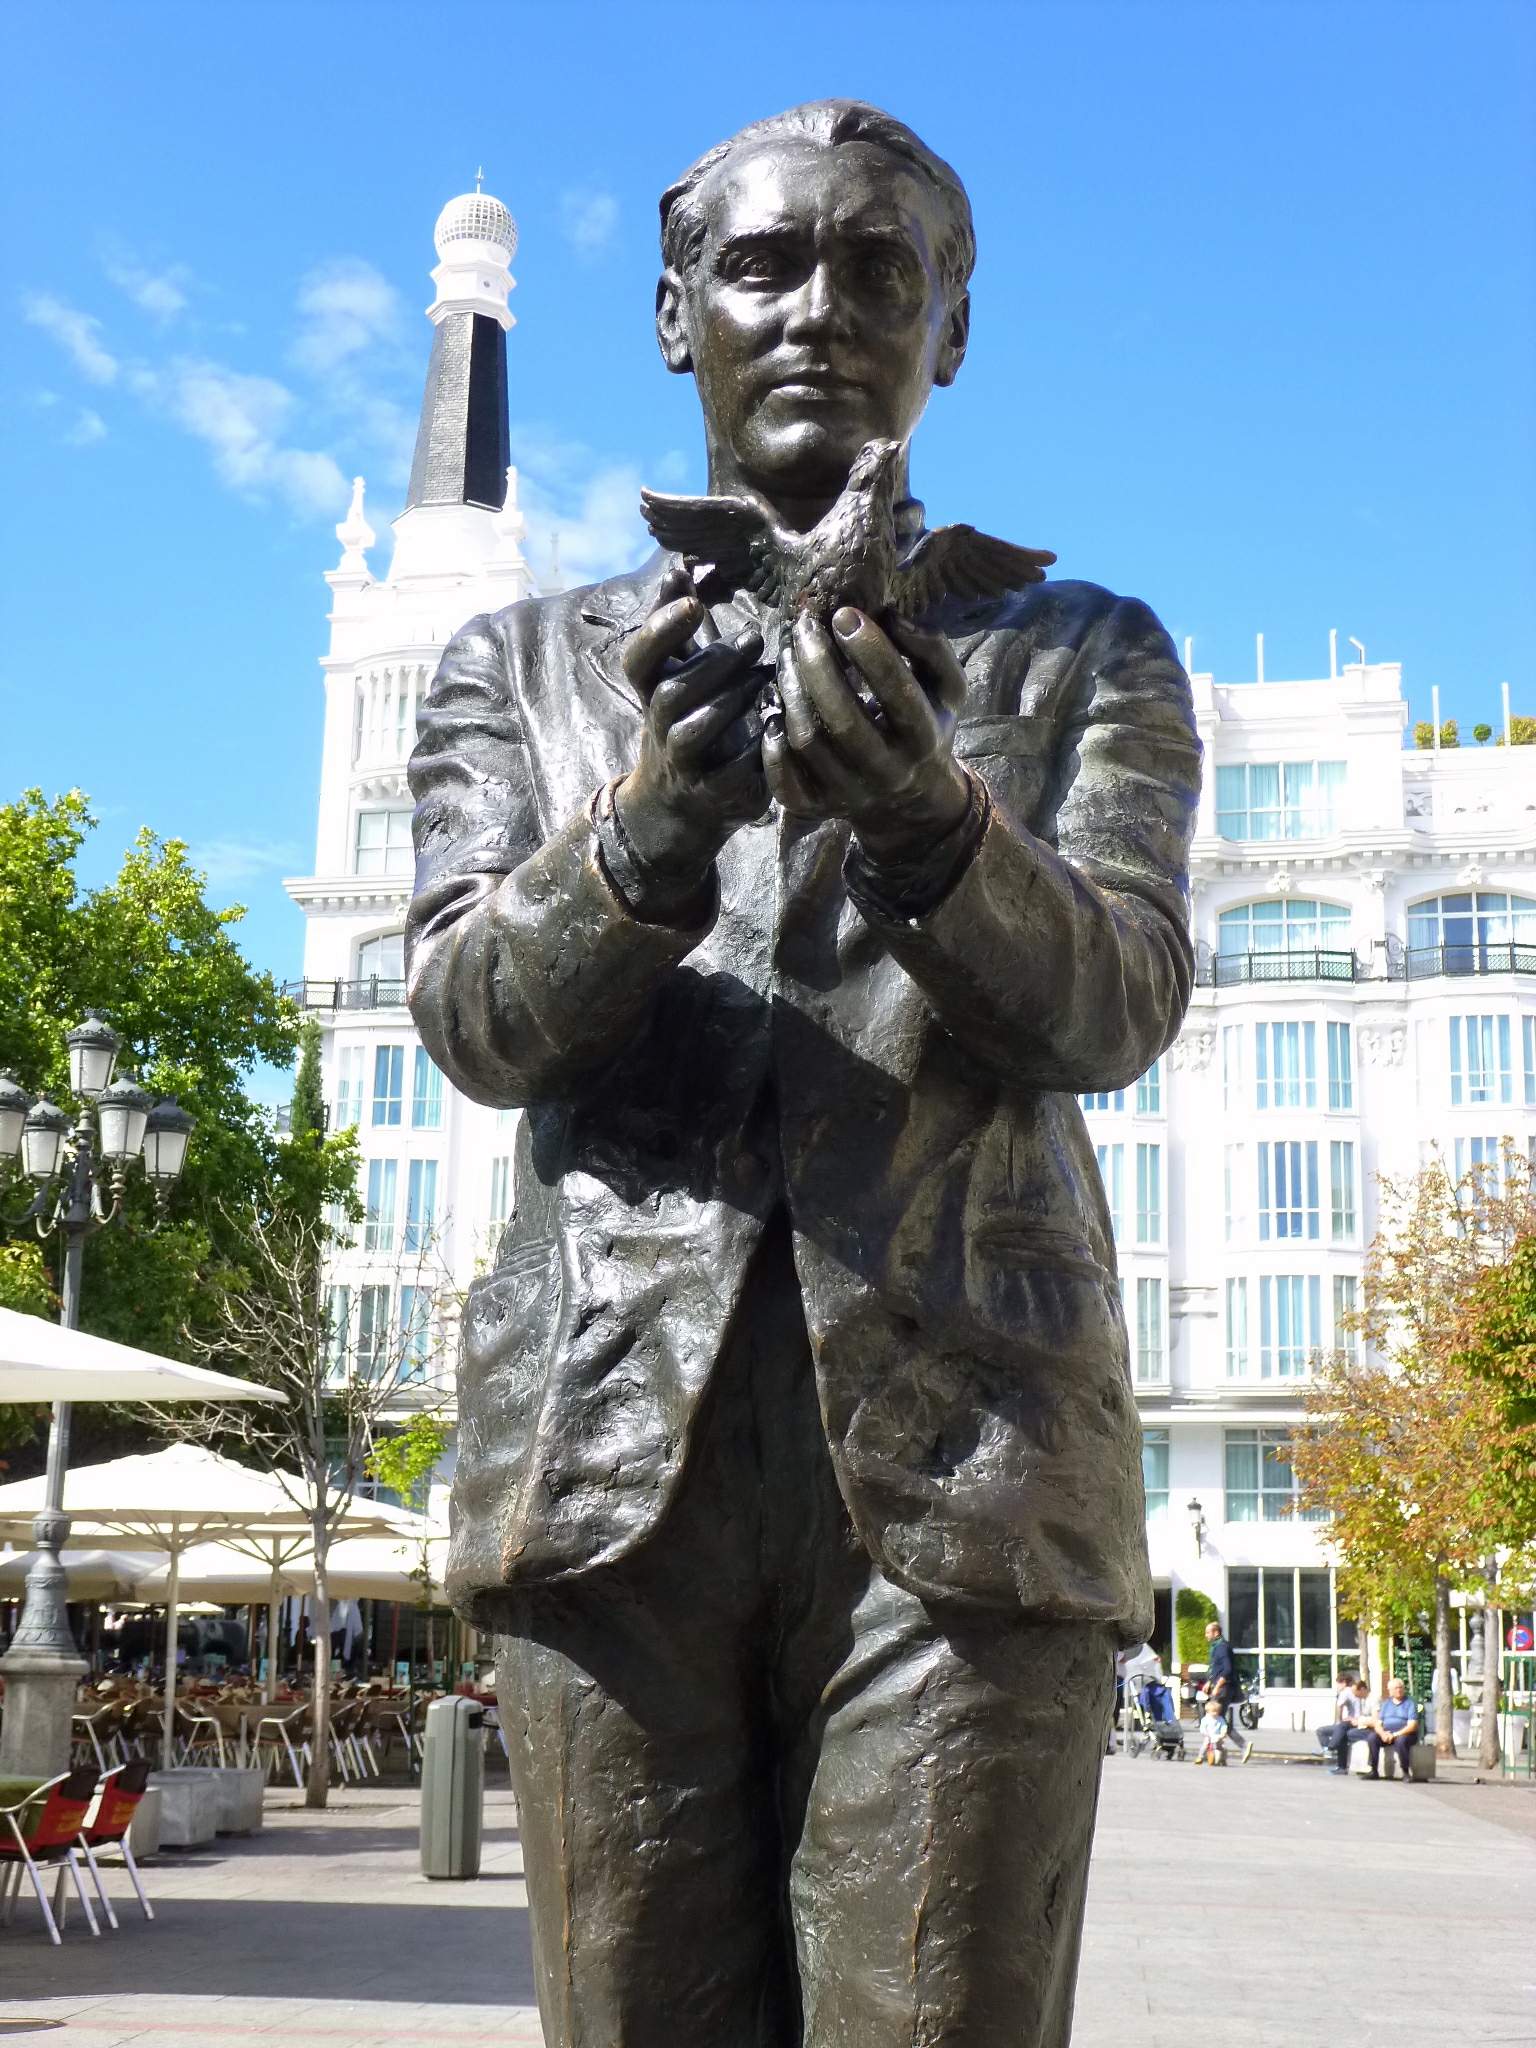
903 891
647 894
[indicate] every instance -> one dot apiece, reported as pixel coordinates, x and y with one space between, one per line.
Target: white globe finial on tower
475 217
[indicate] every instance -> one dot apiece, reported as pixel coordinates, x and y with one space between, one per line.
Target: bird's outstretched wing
732 534
957 561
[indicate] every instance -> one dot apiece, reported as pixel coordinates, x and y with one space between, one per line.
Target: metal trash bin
452 1788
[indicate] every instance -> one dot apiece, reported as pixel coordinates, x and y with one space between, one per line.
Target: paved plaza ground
1273 1906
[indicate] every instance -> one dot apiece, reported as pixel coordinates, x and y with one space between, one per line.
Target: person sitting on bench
1396 1727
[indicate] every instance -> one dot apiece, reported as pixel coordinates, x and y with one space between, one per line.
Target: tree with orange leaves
1409 1449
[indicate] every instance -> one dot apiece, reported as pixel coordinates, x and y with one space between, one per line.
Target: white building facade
436 1169
1365 919
1365 924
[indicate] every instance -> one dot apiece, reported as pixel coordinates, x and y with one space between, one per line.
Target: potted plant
1461 1719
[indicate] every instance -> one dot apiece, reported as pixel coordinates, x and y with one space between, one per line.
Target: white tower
431 1162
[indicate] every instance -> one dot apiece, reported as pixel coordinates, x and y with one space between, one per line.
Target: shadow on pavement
431 1949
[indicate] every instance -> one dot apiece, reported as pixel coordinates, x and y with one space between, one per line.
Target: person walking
1222 1688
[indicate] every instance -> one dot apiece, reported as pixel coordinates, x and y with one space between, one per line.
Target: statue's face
815 318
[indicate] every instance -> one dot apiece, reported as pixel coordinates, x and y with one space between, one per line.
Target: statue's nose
817 307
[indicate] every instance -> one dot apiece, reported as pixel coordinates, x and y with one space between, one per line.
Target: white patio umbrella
42 1361
93 1574
357 1568
169 1500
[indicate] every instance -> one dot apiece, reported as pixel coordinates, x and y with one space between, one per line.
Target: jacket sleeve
1071 967
524 967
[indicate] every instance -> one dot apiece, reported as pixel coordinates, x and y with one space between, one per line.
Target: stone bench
198 1802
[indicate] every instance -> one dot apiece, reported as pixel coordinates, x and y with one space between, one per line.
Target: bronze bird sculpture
852 556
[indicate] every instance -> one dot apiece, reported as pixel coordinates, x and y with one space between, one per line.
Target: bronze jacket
905 1086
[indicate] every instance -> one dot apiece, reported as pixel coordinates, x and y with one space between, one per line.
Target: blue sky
1253 334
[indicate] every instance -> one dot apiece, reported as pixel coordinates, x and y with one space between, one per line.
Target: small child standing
1213 1735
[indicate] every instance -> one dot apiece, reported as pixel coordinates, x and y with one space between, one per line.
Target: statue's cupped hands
699 774
867 731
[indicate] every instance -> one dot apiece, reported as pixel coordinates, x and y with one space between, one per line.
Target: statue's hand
890 771
699 774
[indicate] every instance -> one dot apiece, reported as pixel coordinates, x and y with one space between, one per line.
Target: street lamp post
118 1125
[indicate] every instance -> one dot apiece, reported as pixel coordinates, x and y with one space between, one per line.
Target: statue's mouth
816 380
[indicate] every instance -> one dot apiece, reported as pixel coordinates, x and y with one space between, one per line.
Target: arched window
1470 922
382 959
1283 925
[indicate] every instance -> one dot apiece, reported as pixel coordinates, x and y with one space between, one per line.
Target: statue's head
815 284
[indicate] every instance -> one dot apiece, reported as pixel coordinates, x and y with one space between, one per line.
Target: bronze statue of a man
799 1470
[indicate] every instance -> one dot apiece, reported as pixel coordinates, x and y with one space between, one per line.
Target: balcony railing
1499 956
1311 963
373 994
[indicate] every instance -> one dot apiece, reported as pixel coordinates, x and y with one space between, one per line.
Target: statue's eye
882 268
756 266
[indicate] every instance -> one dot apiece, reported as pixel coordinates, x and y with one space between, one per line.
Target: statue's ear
957 334
672 323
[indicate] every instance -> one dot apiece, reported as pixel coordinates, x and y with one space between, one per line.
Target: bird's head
875 464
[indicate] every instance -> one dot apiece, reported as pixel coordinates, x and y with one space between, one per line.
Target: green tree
404 1461
1407 1451
1482 734
165 968
1193 1611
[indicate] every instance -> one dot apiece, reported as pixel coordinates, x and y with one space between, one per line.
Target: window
1481 1156
1236 1203
1480 1067
1341 1190
1149 1091
1106 1098
1528 1045
372 1332
1285 1066
1232 1096
382 959
501 1191
1261 1483
1237 1329
349 1086
1346 1301
426 1093
1149 1194
1278 799
1150 1354
1111 1160
383 844
1287 1190
420 1205
1154 1470
379 1206
1284 1626
1282 925
338 1331
1290 1316
388 1081
1476 929
415 1331
1341 1068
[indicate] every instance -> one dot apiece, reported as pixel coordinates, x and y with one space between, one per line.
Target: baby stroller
1155 1725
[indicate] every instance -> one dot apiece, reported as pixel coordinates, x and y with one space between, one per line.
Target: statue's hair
829 122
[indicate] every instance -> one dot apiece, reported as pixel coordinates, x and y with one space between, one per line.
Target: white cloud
589 219
76 333
590 507
158 293
344 308
89 426
240 419
229 861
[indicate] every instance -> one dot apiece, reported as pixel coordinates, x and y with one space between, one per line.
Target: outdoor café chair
199 1736
274 1738
56 1809
98 1735
107 1824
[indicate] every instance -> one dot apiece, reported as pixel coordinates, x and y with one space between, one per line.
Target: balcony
373 994
1496 956
1311 963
